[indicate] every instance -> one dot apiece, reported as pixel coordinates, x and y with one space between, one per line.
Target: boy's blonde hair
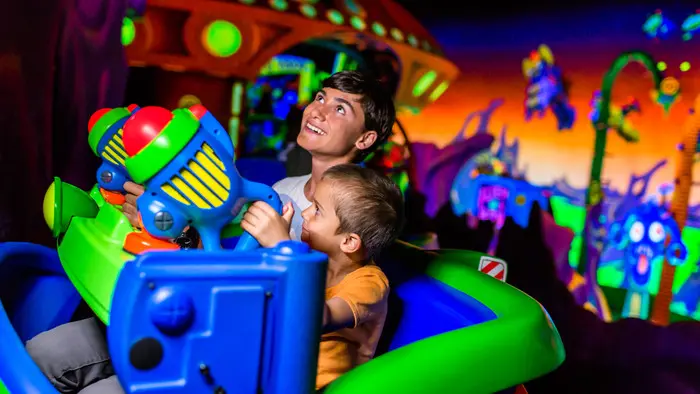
367 204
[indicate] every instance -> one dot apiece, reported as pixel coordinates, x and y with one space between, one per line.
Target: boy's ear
351 243
367 139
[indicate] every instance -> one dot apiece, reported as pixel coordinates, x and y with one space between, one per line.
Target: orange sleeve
366 293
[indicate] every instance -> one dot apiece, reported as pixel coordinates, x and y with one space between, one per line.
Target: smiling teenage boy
349 117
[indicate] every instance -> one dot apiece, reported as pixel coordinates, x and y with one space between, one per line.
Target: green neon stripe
601 133
159 152
102 125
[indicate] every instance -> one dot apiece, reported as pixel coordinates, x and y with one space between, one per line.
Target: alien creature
668 94
546 89
642 235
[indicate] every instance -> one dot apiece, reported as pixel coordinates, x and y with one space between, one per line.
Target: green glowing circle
685 66
128 31
335 17
308 10
222 38
397 34
439 90
424 83
279 5
661 66
357 22
378 29
412 40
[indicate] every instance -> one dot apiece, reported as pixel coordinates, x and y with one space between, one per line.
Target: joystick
105 139
185 158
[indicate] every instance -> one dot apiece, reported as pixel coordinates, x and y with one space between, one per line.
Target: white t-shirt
292 189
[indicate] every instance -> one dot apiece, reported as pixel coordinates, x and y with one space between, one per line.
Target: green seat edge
520 345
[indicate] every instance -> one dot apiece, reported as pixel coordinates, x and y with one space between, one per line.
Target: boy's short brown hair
367 204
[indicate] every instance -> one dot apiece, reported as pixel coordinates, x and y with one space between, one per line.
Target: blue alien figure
545 89
642 236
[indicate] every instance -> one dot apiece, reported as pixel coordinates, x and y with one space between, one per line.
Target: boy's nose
305 213
317 112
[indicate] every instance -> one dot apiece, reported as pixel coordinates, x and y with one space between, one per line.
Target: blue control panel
217 322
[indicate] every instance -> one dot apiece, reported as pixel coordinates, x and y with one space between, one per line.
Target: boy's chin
311 143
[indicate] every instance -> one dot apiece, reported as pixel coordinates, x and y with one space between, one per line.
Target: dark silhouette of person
298 160
264 106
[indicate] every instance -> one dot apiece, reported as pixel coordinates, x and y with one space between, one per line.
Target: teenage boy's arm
266 225
360 299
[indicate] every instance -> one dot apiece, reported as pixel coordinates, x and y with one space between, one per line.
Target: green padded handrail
520 345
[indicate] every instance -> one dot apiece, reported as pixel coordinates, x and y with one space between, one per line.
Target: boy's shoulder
290 183
368 273
366 287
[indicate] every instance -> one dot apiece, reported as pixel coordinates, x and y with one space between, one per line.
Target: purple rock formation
437 168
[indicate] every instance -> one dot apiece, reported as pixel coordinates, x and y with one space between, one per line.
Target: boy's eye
316 211
340 110
319 98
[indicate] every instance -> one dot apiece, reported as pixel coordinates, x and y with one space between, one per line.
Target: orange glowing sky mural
584 46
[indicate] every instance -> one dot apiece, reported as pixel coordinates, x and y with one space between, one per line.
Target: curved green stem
594 194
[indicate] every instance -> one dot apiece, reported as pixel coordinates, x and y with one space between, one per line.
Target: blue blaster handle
253 191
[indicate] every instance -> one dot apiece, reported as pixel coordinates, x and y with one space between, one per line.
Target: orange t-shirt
365 290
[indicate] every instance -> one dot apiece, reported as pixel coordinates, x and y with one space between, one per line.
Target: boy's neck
319 165
339 266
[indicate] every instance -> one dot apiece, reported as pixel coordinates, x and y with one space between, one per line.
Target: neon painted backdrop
584 44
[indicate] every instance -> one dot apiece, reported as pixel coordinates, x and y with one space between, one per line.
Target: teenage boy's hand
133 192
266 225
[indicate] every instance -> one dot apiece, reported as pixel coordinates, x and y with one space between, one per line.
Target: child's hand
133 191
266 225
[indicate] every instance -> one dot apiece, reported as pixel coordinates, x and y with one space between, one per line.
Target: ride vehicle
246 320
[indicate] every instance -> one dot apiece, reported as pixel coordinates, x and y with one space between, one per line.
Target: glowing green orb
222 38
128 31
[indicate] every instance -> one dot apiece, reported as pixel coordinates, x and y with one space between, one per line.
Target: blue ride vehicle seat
36 294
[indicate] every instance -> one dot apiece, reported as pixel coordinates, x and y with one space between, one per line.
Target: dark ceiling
431 10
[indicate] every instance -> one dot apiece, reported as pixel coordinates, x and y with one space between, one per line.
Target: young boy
355 213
